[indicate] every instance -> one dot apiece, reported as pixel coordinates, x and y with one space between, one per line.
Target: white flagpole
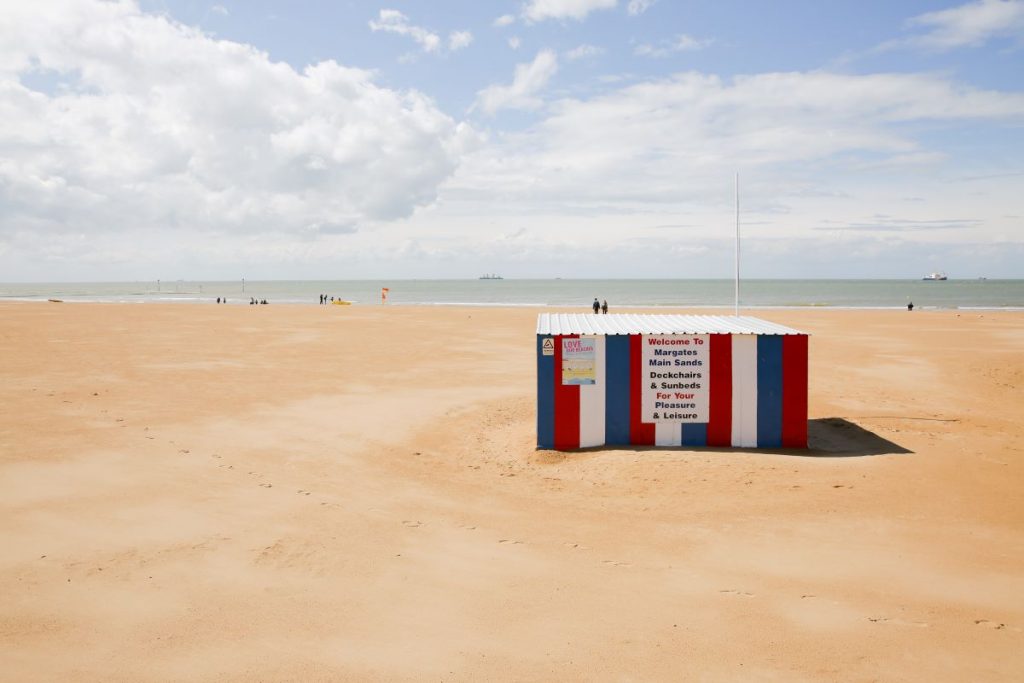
736 310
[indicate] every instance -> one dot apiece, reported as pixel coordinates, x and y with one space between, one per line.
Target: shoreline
511 294
583 309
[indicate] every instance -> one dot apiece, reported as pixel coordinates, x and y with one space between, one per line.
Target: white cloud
655 146
636 7
539 10
393 21
459 39
583 51
504 20
220 9
529 79
157 126
681 43
514 42
969 25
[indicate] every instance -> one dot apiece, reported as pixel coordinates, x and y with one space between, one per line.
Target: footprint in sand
613 563
302 492
990 624
508 540
898 622
732 591
267 486
411 524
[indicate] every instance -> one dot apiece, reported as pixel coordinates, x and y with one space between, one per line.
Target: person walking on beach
910 306
597 306
604 307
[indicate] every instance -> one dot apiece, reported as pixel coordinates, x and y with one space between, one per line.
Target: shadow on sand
835 437
827 437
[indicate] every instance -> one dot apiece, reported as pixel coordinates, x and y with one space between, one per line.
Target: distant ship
935 276
491 276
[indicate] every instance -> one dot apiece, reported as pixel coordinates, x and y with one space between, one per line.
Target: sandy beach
271 493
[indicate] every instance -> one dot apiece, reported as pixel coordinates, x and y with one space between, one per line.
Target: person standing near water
604 307
597 306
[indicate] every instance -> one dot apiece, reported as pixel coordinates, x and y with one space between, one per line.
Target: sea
881 294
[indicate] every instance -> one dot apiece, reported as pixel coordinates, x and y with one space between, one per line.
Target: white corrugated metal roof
628 323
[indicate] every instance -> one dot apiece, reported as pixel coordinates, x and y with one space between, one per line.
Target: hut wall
757 396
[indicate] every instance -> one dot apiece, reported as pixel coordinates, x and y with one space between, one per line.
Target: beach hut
669 380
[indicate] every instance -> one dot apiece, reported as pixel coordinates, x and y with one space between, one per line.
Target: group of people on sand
600 306
252 300
324 299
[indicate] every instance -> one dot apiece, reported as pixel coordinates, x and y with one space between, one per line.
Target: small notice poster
579 361
674 371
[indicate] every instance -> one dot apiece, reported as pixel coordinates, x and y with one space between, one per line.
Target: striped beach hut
669 380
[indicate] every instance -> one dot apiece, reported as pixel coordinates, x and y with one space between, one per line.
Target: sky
199 140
